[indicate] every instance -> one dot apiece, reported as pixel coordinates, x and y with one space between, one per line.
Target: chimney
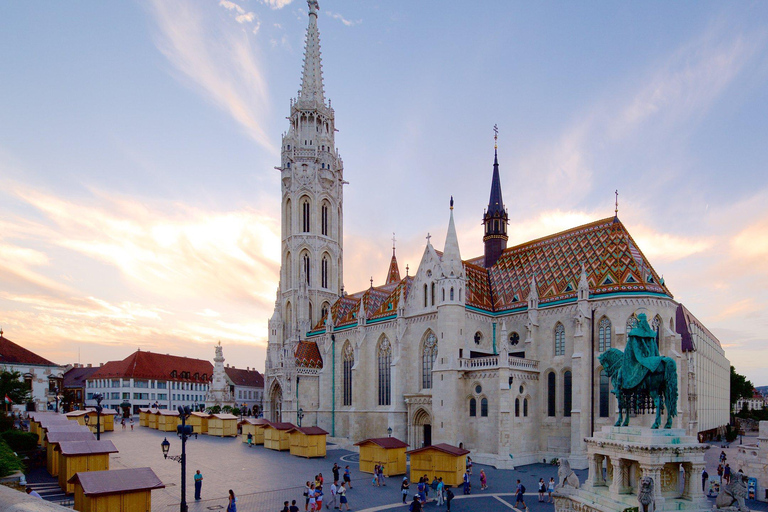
101 364
90 365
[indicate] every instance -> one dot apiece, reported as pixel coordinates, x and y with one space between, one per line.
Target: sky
139 204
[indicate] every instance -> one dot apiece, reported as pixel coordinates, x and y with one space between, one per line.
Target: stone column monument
219 394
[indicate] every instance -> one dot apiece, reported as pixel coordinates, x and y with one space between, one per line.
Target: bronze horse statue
639 370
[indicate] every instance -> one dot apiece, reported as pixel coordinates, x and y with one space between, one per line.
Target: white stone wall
168 394
40 377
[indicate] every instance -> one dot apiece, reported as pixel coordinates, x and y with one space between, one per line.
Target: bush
9 461
6 422
19 441
730 434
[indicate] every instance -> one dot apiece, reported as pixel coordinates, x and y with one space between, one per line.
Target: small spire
312 75
393 243
616 210
408 268
371 281
393 274
495 136
451 259
451 202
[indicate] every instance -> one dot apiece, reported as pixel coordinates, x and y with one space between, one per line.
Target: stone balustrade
515 363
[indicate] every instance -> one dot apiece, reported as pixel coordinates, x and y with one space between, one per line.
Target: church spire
452 264
393 275
312 77
495 218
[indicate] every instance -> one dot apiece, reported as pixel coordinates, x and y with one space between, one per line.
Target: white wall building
43 377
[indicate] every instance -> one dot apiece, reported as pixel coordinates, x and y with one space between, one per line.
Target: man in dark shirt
335 470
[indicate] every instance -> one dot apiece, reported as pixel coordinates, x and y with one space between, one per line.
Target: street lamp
300 415
389 431
184 432
99 397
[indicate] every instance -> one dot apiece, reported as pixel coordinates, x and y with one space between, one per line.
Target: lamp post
184 432
389 431
300 415
99 397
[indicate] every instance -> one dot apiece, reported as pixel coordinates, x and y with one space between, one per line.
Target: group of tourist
315 495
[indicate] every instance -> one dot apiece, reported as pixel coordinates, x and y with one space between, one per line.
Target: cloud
219 62
276 4
346 22
245 18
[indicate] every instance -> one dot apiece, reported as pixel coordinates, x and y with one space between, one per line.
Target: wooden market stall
167 420
77 456
78 416
52 450
152 418
144 416
106 419
442 460
68 426
307 441
222 425
42 424
386 451
255 427
276 436
119 490
36 417
199 422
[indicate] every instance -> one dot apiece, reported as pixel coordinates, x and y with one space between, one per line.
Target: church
496 353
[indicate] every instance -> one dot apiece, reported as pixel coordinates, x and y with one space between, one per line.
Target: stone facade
752 459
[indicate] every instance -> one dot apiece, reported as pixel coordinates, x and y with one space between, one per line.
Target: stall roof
384 442
255 421
58 420
281 426
75 414
104 412
310 431
442 447
167 412
225 416
87 447
98 483
57 437
202 415
70 427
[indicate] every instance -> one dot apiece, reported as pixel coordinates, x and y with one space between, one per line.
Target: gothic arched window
631 323
551 393
324 219
451 293
433 294
385 372
517 407
567 393
604 334
483 406
472 407
348 356
324 311
288 216
425 296
288 270
559 339
305 215
324 272
525 407
307 268
605 394
428 356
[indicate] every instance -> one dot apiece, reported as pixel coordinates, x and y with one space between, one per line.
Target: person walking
415 505
466 482
335 470
440 492
343 496
306 496
551 489
519 493
727 473
131 423
232 504
334 490
198 484
285 508
542 489
469 465
347 478
448 498
319 498
312 498
375 479
381 475
483 480
404 486
704 478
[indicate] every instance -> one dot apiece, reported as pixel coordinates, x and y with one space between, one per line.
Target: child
483 480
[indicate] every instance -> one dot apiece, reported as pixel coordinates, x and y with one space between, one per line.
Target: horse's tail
670 378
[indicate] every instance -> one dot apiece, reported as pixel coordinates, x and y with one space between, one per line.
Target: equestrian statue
639 372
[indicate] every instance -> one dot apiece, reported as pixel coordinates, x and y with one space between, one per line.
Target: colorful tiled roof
308 355
393 274
149 365
611 259
240 377
12 353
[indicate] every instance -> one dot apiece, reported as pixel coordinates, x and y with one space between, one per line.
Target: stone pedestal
619 458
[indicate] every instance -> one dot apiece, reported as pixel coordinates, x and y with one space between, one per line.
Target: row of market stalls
166 420
81 463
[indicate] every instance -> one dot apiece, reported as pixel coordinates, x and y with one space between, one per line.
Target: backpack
522 488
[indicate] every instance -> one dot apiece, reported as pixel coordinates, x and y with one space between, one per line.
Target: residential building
74 386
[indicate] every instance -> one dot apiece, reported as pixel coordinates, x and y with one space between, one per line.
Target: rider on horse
641 354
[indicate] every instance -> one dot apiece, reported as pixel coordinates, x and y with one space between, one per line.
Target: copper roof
384 442
57 436
149 365
87 447
308 355
442 447
310 431
240 377
11 353
96 483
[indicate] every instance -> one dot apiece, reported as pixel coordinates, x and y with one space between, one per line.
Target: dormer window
173 374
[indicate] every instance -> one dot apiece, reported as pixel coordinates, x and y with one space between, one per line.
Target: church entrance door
427 435
421 429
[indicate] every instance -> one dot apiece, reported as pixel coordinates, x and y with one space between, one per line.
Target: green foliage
6 422
20 441
235 411
214 409
9 461
227 409
740 387
13 385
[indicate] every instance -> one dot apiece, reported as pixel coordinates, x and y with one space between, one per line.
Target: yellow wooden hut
255 427
78 416
152 418
106 420
442 460
77 456
144 416
199 422
276 436
384 451
167 420
52 450
222 425
119 490
35 418
68 426
44 423
307 441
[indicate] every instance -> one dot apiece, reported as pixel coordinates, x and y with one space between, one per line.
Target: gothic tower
312 179
495 218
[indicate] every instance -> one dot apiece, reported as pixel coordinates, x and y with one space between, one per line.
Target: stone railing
520 363
307 371
516 363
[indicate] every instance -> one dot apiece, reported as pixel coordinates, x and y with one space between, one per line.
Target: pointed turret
452 265
495 219
312 77
393 274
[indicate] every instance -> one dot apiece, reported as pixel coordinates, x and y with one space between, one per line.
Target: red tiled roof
384 442
99 483
149 365
240 377
76 377
310 431
308 355
11 353
442 447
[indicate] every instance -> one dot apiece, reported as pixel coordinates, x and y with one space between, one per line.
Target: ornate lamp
165 446
389 431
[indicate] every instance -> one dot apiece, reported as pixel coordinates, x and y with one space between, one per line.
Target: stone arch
288 271
348 362
421 428
276 401
325 270
428 356
559 339
384 370
604 334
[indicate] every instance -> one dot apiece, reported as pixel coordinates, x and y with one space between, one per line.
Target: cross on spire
495 136
393 243
428 237
616 211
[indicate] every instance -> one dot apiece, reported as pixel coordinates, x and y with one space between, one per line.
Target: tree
740 387
12 385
